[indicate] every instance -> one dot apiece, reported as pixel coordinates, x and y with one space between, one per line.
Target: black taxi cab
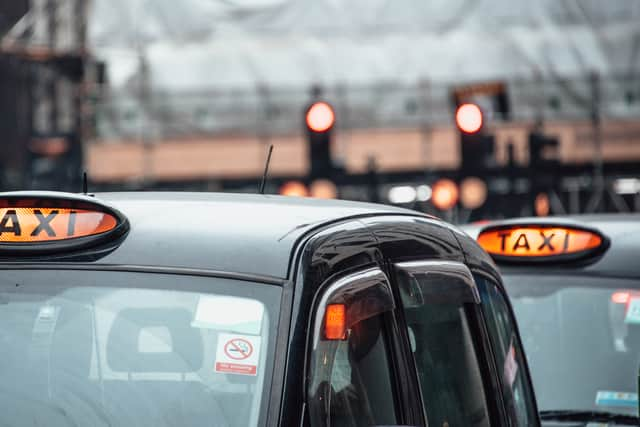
575 287
187 309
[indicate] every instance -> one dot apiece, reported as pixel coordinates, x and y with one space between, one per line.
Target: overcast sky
192 44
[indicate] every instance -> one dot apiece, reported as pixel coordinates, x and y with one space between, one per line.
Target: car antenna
266 170
85 186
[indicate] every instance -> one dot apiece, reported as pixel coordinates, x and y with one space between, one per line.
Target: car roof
623 231
244 233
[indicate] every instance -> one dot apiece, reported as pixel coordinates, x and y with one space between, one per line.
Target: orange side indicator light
539 242
35 225
335 322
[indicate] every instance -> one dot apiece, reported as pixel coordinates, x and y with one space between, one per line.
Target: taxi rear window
122 349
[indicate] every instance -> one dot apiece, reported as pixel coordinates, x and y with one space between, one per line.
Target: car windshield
123 349
582 340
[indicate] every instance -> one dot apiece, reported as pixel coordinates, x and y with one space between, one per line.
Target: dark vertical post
373 190
80 91
597 139
49 71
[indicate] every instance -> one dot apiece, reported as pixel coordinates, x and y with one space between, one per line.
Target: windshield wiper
597 416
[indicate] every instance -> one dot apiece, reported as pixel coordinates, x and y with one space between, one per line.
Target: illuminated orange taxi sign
540 242
41 223
47 224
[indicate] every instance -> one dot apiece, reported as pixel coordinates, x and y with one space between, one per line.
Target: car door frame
406 398
482 341
497 282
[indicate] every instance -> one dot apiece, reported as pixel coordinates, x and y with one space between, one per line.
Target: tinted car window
509 355
122 349
446 359
582 340
352 379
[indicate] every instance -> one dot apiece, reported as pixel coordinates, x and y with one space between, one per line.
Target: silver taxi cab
185 309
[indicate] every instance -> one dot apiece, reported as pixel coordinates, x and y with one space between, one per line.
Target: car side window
437 306
360 385
517 392
351 382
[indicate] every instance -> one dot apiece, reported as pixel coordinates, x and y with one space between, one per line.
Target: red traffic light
469 118
320 117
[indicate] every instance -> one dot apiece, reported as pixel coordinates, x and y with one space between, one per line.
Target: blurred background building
150 94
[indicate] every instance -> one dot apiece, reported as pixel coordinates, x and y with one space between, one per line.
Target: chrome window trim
350 287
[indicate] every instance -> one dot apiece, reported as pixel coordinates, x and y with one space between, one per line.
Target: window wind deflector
364 295
436 282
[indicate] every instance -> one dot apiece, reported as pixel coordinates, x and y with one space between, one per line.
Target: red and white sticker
237 354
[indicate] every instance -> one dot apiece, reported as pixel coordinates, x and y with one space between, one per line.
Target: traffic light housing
476 147
319 123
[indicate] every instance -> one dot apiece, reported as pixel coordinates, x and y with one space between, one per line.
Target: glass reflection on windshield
582 345
83 355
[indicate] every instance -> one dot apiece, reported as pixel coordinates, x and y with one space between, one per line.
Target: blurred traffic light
444 194
492 95
473 103
323 189
319 121
469 118
473 192
320 189
320 117
476 147
294 188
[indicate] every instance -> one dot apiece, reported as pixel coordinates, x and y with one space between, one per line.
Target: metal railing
157 115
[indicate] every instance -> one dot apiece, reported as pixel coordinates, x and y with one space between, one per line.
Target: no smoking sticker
238 349
237 354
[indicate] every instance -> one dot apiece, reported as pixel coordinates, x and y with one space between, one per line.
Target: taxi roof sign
541 242
32 222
